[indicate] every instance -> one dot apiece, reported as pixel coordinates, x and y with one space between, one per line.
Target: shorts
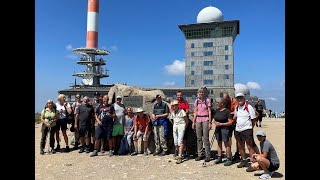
245 136
232 129
61 124
84 131
273 167
260 117
222 134
104 131
118 130
139 134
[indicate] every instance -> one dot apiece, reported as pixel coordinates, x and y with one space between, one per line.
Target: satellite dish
87 80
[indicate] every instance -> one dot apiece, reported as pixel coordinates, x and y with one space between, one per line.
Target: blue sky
147 47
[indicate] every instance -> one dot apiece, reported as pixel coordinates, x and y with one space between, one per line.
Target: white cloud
114 48
172 83
253 85
176 68
71 56
69 47
272 99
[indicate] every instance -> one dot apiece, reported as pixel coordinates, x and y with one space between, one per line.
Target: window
226 57
208 53
192 45
184 97
206 72
208 81
192 54
192 63
193 96
226 76
226 47
226 67
192 82
207 44
207 63
192 72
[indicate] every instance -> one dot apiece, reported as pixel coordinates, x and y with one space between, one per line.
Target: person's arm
147 125
135 122
98 120
43 120
186 119
69 108
76 117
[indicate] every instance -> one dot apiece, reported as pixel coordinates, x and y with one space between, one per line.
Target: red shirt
183 104
142 123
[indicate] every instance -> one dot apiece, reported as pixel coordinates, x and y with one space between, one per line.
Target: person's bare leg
219 148
64 133
263 163
57 137
97 144
241 150
228 150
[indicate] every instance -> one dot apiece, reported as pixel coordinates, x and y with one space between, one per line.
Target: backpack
245 107
124 146
213 111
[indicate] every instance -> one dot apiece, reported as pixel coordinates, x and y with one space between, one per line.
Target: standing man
84 117
118 123
160 123
259 109
244 115
74 106
97 101
104 125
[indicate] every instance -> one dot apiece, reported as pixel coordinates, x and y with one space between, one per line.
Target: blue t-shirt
102 112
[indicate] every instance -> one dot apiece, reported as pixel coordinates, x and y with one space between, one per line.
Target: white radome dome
209 14
241 88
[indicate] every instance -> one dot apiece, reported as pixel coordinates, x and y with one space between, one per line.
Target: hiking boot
242 164
156 153
260 125
94 153
87 149
102 150
163 153
67 149
236 158
52 150
146 153
76 146
41 151
58 147
81 150
250 169
228 162
179 160
207 159
134 153
218 160
199 158
110 153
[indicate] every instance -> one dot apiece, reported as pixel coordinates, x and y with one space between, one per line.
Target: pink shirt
202 110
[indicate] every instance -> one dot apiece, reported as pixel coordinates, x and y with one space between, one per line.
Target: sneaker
52 151
58 147
199 158
250 169
163 153
110 153
236 158
242 164
94 153
207 159
146 153
265 176
179 160
41 151
156 153
228 162
134 153
218 160
81 150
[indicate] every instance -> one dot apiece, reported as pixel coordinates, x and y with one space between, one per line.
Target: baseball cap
119 97
261 133
239 94
158 96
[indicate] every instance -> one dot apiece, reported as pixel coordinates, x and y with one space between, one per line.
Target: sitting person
267 160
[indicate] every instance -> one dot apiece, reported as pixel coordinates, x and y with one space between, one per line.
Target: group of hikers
99 126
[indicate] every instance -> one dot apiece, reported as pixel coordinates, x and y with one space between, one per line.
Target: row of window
210 44
209 53
210 81
208 72
209 63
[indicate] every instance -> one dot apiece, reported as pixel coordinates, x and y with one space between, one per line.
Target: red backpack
245 107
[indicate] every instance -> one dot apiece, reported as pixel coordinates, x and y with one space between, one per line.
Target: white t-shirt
59 107
244 117
178 117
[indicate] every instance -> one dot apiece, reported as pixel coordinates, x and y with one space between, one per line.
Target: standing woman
62 108
48 118
129 126
223 121
202 123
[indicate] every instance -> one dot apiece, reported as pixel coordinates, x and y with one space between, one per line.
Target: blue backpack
124 146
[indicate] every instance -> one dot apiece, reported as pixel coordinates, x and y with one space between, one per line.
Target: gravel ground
73 165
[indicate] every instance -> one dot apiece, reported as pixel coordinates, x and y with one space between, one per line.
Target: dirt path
80 166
